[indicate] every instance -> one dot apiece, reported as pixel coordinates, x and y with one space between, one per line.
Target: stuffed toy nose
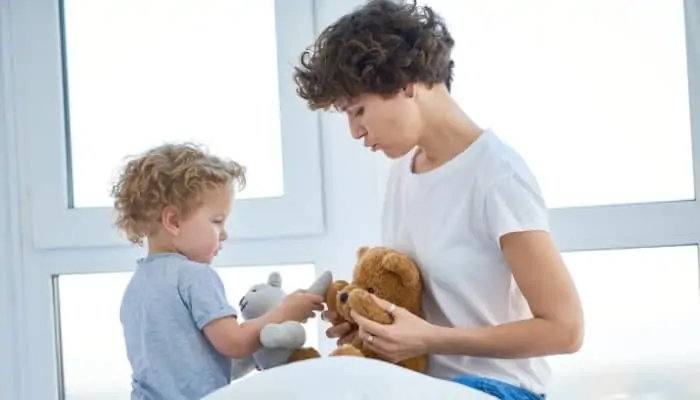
343 297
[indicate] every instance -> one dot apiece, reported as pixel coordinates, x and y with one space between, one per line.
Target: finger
368 325
328 316
386 305
347 339
338 330
377 345
318 307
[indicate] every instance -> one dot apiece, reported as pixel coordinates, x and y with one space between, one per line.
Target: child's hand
300 306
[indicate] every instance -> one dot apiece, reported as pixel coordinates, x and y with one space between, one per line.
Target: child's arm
241 340
204 294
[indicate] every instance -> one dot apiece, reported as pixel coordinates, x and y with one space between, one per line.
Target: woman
464 205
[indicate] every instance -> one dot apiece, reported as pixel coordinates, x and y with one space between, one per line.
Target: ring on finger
391 309
370 338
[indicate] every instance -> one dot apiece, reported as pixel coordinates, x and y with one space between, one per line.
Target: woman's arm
557 323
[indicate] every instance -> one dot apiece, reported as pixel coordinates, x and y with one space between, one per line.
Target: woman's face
391 125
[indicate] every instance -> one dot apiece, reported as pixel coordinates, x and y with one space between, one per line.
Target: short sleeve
204 294
514 204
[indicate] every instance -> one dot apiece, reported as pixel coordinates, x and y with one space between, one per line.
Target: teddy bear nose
343 297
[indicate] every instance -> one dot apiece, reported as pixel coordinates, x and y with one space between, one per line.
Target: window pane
140 72
94 357
592 93
642 311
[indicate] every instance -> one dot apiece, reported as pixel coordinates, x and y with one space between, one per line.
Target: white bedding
343 378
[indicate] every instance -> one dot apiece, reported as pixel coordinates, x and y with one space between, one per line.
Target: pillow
343 378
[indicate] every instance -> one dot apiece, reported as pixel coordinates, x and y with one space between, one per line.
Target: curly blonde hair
170 175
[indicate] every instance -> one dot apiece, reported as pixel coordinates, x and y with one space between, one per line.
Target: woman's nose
359 132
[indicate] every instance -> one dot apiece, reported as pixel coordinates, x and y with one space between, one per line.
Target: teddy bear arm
418 364
347 350
287 335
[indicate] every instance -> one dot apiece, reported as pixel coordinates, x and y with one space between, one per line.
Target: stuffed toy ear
275 280
321 284
403 267
361 251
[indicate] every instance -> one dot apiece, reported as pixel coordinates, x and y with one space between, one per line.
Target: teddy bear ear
404 267
361 251
275 279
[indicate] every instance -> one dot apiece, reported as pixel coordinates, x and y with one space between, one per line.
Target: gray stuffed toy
281 343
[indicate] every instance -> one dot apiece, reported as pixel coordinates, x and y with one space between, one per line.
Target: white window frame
35 34
654 224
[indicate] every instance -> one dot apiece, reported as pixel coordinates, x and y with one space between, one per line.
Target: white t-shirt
450 220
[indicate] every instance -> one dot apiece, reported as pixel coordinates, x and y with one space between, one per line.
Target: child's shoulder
179 265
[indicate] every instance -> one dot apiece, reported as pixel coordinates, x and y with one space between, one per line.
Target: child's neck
156 246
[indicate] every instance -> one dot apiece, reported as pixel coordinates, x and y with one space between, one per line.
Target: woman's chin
394 153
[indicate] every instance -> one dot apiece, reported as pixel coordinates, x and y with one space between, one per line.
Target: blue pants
500 390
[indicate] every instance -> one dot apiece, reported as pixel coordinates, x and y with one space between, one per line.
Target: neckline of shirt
457 162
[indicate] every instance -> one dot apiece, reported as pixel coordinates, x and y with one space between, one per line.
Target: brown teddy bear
388 274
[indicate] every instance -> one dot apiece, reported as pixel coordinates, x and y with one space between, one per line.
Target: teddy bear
388 274
283 342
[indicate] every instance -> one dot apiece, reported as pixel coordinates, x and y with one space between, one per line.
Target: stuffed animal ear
321 284
275 280
402 266
361 251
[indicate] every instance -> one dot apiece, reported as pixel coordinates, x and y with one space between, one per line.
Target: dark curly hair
173 174
378 48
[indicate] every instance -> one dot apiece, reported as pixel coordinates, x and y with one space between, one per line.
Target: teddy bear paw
347 350
362 303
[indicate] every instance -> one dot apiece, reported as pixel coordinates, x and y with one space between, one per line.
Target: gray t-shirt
165 306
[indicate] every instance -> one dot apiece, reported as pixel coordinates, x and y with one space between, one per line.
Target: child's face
200 235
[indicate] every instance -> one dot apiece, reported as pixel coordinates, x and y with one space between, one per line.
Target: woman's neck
449 131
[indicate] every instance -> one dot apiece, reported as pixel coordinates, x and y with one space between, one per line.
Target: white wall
8 359
8 353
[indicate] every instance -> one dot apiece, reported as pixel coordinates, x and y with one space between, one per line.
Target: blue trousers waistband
500 390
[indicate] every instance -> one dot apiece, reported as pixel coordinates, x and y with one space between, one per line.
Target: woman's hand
404 339
343 331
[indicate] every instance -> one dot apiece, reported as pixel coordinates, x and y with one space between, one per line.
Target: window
130 89
610 97
93 356
642 310
126 86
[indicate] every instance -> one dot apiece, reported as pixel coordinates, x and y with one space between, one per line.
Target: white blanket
343 378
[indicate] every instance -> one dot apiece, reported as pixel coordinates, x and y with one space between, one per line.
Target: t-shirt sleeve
205 296
514 204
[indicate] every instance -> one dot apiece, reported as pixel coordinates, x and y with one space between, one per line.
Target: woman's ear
410 90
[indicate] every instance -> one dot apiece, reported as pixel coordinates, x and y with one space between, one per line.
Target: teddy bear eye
370 290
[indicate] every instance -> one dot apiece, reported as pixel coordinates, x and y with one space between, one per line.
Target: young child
180 331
